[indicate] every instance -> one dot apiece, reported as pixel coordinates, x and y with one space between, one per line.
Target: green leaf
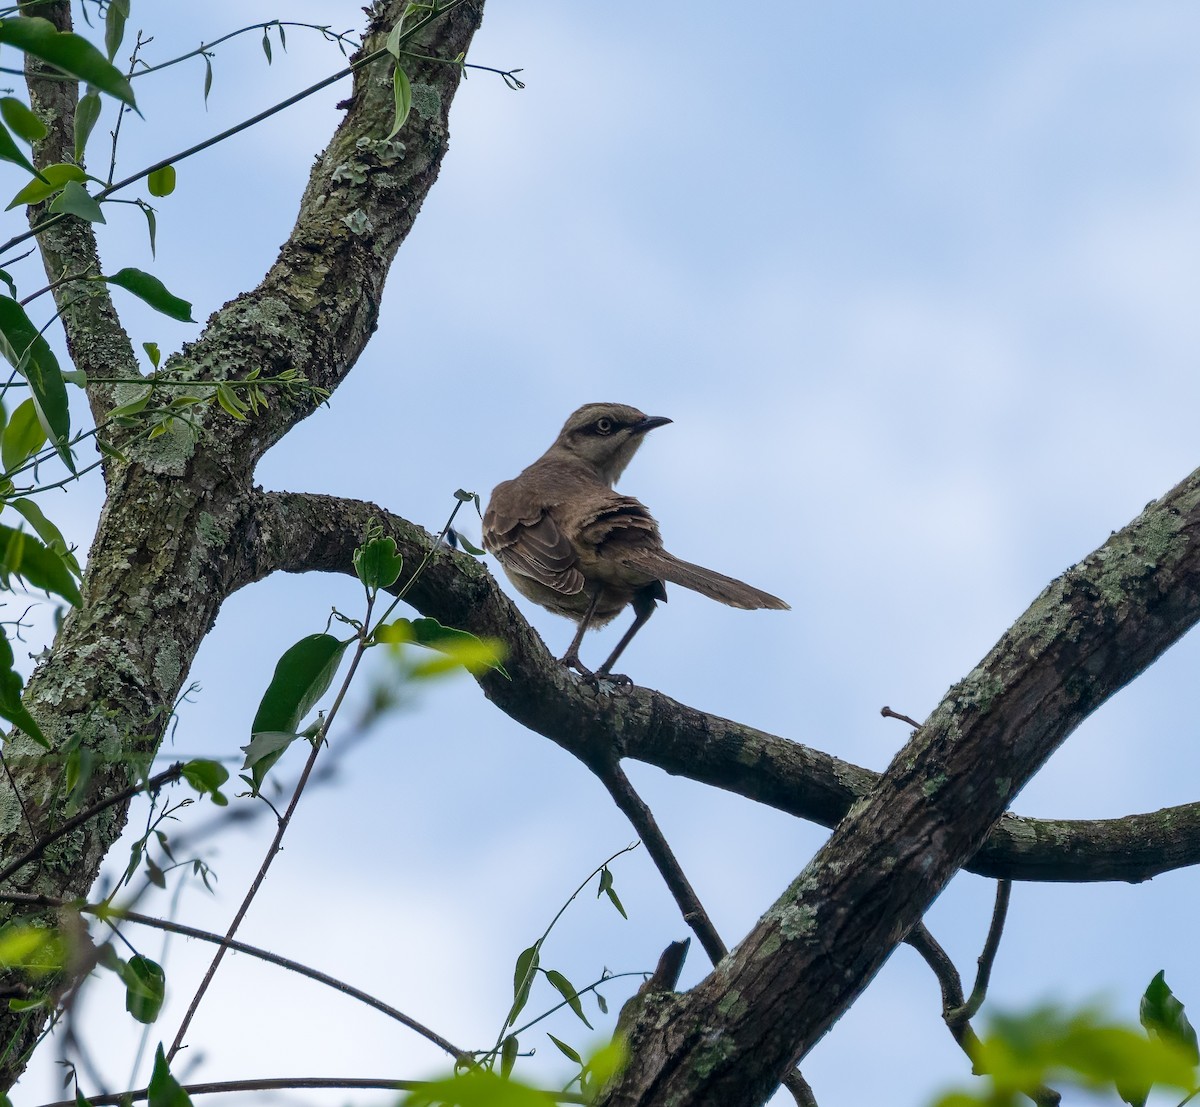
606 888
35 949
1163 1017
377 563
1050 1046
11 707
477 1088
53 178
21 120
145 988
302 677
402 94
150 289
114 26
47 532
69 52
459 647
207 78
392 45
80 1100
567 990
164 1089
86 115
523 977
162 181
207 777
134 406
151 224
37 363
508 1055
38 565
565 1049
228 399
266 45
463 541
74 200
10 151
9 283
23 436
152 352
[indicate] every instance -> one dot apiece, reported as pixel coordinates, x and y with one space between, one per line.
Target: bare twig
613 777
276 842
644 824
888 713
990 947
170 927
35 851
284 1084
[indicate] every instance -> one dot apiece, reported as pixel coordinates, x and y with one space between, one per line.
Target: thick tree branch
295 532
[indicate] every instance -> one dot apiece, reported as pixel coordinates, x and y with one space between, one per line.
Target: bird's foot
595 679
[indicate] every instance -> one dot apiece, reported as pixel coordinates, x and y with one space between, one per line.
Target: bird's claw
595 679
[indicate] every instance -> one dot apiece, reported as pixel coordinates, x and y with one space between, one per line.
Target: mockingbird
567 541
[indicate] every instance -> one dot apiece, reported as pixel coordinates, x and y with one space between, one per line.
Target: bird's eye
604 426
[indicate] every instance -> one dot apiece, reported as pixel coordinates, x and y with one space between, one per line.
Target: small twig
952 1001
57 284
613 777
990 947
35 851
168 926
276 842
282 1085
888 713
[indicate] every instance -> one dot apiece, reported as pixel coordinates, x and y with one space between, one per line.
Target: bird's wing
619 521
534 547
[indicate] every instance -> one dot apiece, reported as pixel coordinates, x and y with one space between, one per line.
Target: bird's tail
716 586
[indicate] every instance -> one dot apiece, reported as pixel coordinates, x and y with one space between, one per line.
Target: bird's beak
650 422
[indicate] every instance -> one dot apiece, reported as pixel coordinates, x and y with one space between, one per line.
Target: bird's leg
643 608
571 658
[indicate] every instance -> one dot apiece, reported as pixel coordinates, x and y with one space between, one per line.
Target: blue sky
916 285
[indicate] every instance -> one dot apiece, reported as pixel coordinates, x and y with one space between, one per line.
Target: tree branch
297 532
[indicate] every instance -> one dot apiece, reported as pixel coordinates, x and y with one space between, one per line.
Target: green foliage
22 555
87 114
164 1089
1052 1047
21 120
34 950
29 353
74 200
1163 1017
458 647
150 289
302 676
145 988
11 707
162 181
52 179
207 777
478 1088
67 51
377 561
23 436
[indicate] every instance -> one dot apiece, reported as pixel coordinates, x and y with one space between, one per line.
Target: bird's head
606 436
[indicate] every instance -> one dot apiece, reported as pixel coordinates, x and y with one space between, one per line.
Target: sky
915 284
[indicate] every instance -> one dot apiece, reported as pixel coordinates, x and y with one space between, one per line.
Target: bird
570 543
